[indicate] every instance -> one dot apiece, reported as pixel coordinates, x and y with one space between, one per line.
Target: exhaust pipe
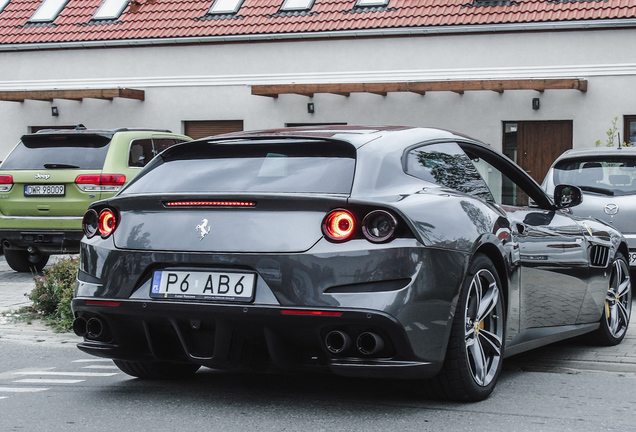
79 326
6 244
369 343
337 342
94 328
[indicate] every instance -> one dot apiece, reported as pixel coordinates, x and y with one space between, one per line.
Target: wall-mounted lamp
536 104
54 112
310 108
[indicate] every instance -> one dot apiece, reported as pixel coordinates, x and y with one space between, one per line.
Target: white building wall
212 82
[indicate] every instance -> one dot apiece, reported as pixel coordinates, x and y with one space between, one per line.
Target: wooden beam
77 95
421 87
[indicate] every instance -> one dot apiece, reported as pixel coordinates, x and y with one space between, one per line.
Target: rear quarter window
63 152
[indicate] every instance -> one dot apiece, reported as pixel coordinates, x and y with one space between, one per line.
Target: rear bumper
44 241
228 336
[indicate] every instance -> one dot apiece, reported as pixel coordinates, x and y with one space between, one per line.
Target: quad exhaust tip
90 329
369 343
337 342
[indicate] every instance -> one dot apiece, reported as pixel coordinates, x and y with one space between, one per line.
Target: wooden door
540 143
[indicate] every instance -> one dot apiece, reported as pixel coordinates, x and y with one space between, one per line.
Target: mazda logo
611 209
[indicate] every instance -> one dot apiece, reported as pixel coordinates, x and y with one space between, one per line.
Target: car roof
358 136
81 130
597 152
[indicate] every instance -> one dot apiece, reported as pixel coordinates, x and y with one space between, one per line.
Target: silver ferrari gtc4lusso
393 252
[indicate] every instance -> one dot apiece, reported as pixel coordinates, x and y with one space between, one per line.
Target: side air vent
599 256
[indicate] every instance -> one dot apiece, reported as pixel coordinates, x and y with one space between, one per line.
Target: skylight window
48 10
372 2
294 5
225 6
3 4
110 9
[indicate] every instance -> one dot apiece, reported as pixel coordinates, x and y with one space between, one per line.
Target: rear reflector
210 204
310 312
101 303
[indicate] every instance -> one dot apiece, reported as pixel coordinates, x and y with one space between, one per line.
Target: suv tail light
6 183
103 224
100 182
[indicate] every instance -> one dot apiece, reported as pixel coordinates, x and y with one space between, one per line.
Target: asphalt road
47 384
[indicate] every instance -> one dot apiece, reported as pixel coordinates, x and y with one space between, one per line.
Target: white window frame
365 3
110 9
296 5
3 4
48 10
225 6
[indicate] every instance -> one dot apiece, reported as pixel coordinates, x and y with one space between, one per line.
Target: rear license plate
44 190
632 258
201 285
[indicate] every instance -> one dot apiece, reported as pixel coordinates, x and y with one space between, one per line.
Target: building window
225 6
48 10
295 5
3 4
629 135
372 2
110 9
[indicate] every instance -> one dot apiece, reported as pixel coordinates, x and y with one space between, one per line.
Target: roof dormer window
3 4
364 3
297 5
110 9
48 10
225 6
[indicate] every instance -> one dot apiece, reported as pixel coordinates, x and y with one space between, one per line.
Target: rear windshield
611 176
288 167
58 152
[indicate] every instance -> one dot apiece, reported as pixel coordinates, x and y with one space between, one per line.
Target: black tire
157 370
618 305
475 349
19 261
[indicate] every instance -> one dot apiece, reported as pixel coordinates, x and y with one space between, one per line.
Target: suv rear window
58 151
287 167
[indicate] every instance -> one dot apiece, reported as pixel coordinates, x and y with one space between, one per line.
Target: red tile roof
159 19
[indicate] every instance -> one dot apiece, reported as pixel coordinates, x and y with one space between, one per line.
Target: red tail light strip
310 312
210 204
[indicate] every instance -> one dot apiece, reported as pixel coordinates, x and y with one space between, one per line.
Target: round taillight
339 225
107 223
90 223
379 226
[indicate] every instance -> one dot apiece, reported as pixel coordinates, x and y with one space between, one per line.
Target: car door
552 250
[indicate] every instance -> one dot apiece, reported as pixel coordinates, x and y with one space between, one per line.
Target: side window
140 152
504 190
447 165
160 144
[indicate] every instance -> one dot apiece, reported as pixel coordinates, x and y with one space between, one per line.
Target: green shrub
54 291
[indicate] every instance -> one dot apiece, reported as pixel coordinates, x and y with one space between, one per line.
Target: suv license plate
201 285
44 190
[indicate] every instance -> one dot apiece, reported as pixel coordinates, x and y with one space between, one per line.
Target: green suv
51 177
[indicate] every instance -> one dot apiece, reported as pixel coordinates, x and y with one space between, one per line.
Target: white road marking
71 374
92 361
101 367
47 381
22 389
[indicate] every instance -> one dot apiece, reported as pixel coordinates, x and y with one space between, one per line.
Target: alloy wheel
484 327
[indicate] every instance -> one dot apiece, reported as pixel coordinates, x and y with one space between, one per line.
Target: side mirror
566 196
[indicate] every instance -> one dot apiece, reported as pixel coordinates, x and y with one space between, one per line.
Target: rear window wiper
59 166
599 190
